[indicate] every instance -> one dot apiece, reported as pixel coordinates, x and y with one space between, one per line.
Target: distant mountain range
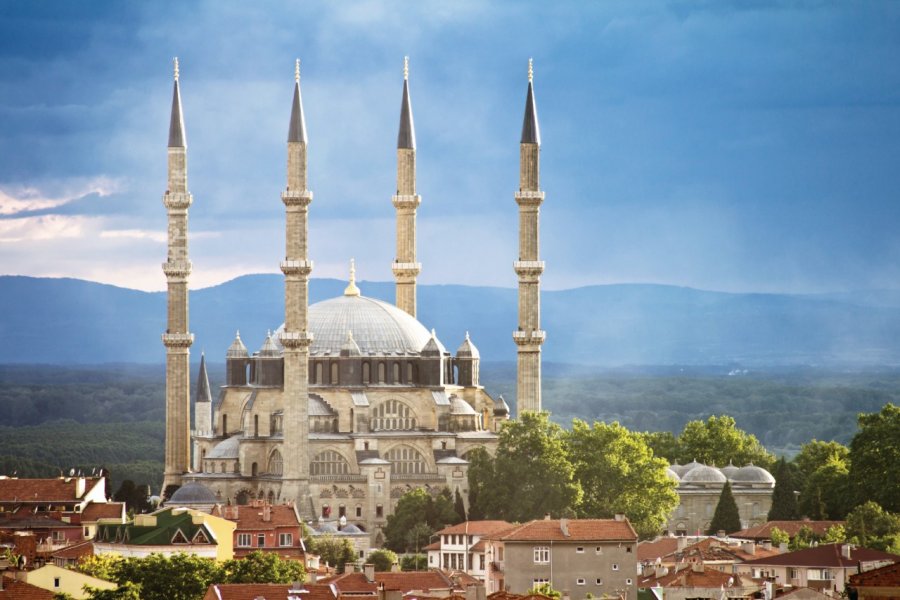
64 321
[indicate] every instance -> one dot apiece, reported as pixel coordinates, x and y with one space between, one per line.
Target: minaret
406 201
177 339
296 337
529 337
202 410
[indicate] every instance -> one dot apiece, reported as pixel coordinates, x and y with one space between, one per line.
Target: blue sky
738 146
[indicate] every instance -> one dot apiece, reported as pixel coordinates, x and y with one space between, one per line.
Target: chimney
766 544
395 568
480 592
296 588
79 487
782 547
565 595
267 513
619 516
471 593
546 516
697 567
313 575
564 527
682 542
721 533
845 550
660 571
749 547
369 570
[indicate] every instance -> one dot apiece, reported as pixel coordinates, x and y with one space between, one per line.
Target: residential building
266 527
270 591
882 583
65 497
430 583
687 581
64 581
713 553
825 568
596 556
168 531
463 547
16 589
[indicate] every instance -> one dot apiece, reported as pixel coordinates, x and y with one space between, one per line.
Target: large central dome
377 327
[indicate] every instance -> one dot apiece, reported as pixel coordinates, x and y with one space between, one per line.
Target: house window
261 540
599 550
794 573
580 549
818 575
541 555
628 549
329 462
285 539
579 581
615 567
628 581
598 581
243 540
359 512
539 581
56 582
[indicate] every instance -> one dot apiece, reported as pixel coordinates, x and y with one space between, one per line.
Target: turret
236 360
177 339
468 362
529 336
432 361
406 201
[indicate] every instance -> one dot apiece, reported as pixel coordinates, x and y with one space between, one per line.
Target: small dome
227 448
753 474
269 349
703 474
458 406
729 470
351 528
672 475
467 349
237 349
192 493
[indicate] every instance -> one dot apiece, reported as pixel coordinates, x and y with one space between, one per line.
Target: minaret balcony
406 201
528 268
177 269
406 270
296 197
296 339
529 338
178 340
177 200
296 267
529 197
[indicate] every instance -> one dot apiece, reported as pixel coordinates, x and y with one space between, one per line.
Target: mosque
352 401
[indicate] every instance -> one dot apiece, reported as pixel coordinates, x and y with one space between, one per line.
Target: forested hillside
58 418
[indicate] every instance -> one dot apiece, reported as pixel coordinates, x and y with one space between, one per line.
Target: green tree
414 562
663 443
544 590
459 506
481 490
440 511
875 458
836 534
135 497
412 509
784 500
334 551
263 567
180 577
100 566
125 591
804 539
718 441
870 526
726 518
815 454
779 537
827 492
531 473
383 559
418 536
619 474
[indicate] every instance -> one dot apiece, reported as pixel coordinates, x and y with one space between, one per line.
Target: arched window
224 424
318 373
254 469
222 467
276 464
334 374
396 374
255 425
409 374
366 374
393 415
329 462
381 372
271 497
405 460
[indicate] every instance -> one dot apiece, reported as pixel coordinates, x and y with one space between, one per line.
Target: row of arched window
384 373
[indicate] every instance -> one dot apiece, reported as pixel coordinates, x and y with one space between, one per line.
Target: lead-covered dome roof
192 493
753 474
377 327
703 474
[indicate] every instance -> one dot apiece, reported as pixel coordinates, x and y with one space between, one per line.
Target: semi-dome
192 493
703 474
229 448
378 327
753 474
458 406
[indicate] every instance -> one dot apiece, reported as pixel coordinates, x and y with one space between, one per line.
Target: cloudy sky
745 146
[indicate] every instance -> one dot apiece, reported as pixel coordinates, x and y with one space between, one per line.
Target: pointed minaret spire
177 268
531 131
529 337
297 129
351 289
177 139
202 393
296 337
406 201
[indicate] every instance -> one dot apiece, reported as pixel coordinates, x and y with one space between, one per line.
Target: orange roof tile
475 528
657 548
887 576
352 583
414 580
251 517
267 591
708 578
580 530
41 490
103 510
19 590
824 555
75 550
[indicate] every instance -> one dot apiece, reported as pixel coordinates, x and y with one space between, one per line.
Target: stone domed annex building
351 401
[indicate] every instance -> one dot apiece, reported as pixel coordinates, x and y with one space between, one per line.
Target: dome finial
351 289
297 70
530 70
405 67
176 67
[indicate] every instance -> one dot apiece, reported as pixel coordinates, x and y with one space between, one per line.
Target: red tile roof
475 528
580 530
266 591
414 580
100 510
75 551
707 578
657 548
42 490
792 528
19 590
825 555
888 576
352 583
